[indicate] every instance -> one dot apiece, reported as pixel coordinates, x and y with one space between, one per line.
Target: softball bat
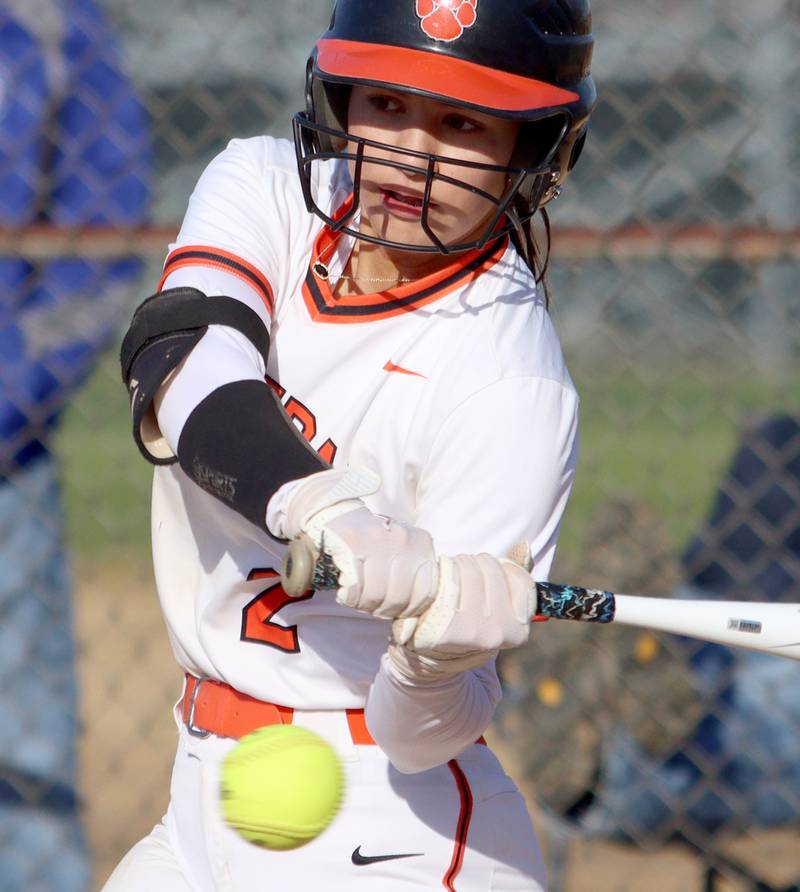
754 625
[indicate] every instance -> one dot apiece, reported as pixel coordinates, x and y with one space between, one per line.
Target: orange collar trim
322 306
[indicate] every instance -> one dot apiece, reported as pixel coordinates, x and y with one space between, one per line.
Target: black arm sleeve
165 328
239 445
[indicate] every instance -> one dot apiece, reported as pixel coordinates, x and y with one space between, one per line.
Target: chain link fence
650 762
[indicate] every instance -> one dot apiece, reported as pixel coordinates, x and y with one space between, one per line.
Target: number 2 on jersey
257 625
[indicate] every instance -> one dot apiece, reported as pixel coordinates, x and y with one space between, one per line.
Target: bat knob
297 567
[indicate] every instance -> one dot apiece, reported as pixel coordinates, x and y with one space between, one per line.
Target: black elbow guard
239 445
163 331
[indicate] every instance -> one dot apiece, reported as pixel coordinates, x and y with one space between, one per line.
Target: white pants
464 825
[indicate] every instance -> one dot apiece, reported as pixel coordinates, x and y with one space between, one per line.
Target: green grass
657 438
663 442
106 481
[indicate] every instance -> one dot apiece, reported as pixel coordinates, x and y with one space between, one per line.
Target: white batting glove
483 604
386 568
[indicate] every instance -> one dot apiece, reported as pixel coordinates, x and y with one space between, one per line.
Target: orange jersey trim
462 826
412 69
322 306
200 255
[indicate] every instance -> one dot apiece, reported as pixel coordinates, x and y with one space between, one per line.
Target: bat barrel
764 627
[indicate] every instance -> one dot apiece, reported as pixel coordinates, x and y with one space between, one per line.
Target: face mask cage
315 142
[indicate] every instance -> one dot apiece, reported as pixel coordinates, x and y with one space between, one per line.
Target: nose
419 140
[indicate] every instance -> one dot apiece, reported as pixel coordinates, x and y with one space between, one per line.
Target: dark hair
534 252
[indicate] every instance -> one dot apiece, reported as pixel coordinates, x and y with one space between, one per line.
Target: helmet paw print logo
446 19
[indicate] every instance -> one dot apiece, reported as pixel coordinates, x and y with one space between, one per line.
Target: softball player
385 301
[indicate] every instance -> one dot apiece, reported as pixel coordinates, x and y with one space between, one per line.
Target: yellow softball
281 786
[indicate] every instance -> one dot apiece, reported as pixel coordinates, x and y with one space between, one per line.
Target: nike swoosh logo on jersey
359 859
391 367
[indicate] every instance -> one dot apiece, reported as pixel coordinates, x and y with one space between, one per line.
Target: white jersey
453 388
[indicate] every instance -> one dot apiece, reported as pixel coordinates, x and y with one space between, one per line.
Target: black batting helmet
527 60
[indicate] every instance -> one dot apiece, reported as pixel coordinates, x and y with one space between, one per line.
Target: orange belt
209 706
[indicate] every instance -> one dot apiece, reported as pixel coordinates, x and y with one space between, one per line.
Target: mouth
403 203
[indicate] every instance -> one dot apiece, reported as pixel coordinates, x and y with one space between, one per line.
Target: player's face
391 198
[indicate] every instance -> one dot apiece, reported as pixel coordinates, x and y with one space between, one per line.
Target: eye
383 103
462 123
